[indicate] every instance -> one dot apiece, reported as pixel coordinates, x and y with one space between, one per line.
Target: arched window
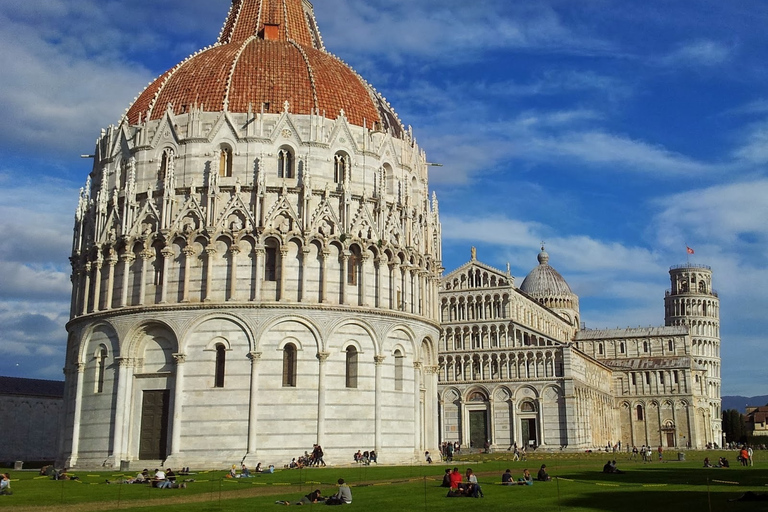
702 287
289 366
640 413
600 348
351 367
399 370
671 346
341 168
101 369
527 407
285 167
270 262
163 170
645 346
225 162
621 347
221 354
352 263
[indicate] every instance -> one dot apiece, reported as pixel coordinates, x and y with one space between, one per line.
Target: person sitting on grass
473 488
610 467
446 478
506 478
5 485
344 496
543 476
527 479
707 464
723 463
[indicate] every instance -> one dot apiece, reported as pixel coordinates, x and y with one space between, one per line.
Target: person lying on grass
313 497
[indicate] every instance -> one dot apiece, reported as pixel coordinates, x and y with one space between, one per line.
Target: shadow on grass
662 501
661 474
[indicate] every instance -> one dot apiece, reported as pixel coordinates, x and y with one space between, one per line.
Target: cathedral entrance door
528 432
478 429
153 439
670 439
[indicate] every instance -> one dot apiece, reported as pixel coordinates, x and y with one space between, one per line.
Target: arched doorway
477 407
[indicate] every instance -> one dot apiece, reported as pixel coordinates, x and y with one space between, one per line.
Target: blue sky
617 132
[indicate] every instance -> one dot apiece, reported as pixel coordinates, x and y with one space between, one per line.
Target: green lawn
579 485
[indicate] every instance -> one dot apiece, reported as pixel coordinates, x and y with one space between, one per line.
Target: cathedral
256 268
516 367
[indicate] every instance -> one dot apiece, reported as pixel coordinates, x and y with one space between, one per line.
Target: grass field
578 485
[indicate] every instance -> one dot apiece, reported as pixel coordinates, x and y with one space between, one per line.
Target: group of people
722 462
458 487
610 467
308 459
365 457
447 449
342 497
745 456
647 453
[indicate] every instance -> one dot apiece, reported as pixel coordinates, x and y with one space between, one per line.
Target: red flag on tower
689 250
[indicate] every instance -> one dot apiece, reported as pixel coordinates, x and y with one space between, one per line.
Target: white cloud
402 30
697 53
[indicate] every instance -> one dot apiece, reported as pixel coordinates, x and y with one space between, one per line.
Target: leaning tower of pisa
692 302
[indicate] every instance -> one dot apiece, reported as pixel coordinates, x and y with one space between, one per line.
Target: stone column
464 419
321 357
253 400
302 295
491 421
258 272
120 409
324 284
86 288
377 262
73 301
343 283
363 281
234 250
178 393
632 426
128 258
281 282
209 252
677 427
417 408
513 421
80 368
392 300
97 283
379 360
111 261
167 253
145 255
189 253
540 421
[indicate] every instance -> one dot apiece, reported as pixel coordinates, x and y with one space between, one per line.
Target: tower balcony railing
713 293
690 265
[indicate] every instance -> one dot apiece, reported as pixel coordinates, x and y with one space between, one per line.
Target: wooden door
153 441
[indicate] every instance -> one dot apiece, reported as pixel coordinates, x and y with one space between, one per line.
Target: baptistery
255 264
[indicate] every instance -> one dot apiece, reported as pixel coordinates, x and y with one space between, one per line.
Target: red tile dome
269 52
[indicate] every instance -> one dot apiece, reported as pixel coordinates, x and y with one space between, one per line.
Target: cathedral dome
545 281
269 52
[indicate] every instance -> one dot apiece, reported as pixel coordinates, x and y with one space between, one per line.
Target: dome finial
543 257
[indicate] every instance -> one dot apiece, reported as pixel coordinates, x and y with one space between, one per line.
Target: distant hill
741 402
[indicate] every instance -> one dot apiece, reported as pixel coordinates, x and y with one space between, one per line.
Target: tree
733 426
